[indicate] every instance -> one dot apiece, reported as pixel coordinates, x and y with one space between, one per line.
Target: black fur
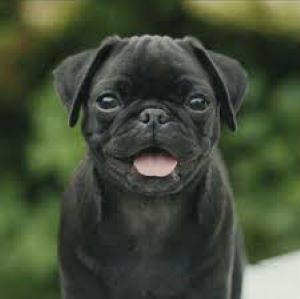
124 235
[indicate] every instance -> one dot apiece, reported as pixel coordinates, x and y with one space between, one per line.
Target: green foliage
28 252
264 162
54 147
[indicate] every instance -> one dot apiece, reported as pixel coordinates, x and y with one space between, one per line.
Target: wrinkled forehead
151 64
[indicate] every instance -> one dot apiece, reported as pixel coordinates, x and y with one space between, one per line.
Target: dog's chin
153 185
137 173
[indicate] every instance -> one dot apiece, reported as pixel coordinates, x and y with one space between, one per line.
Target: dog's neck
153 215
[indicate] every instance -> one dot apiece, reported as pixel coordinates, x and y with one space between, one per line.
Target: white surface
275 278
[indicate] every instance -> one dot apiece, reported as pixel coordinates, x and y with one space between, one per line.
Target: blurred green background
39 152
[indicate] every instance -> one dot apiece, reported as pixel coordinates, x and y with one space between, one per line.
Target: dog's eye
198 103
108 102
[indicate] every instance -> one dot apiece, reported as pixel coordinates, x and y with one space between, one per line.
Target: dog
149 211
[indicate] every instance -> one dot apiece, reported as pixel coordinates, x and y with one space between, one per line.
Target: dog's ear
73 76
228 76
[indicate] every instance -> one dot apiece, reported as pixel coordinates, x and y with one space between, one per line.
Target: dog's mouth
154 162
153 169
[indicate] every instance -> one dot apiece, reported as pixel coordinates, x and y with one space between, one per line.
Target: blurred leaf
258 15
28 245
49 17
55 148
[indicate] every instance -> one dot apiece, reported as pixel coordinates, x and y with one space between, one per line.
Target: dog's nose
154 115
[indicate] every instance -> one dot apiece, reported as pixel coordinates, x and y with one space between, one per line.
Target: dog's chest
148 252
149 277
148 269
156 218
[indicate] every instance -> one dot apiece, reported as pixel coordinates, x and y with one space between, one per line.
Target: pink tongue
159 165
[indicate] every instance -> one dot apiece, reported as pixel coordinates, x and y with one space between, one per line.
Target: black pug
149 213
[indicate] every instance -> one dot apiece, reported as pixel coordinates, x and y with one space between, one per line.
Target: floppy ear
73 76
228 76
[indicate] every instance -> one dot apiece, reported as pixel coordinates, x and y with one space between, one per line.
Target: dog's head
151 107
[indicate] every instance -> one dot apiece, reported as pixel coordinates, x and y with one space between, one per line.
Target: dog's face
151 108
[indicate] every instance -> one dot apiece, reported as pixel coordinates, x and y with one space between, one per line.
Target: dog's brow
186 83
120 83
186 79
